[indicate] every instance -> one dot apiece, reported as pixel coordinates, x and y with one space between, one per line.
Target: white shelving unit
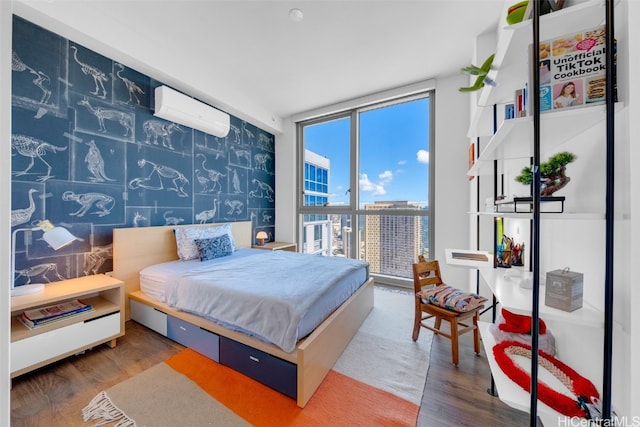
576 331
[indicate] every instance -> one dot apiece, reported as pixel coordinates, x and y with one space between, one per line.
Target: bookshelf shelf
513 139
518 300
565 216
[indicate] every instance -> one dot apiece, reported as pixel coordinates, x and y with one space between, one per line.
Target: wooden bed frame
315 355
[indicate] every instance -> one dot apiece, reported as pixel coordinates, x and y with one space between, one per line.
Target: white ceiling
250 55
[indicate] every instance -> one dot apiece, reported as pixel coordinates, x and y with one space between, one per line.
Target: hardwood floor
55 395
458 396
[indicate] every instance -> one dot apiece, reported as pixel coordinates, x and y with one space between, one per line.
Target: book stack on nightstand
278 246
39 317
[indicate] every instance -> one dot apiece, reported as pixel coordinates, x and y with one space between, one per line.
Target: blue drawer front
194 337
265 368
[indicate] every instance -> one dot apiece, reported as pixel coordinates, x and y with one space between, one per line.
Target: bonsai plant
552 173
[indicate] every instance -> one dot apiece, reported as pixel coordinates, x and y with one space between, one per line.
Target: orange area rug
377 381
339 401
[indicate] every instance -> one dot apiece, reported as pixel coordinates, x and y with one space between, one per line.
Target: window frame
353 209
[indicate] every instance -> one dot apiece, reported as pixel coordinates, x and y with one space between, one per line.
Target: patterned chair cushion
448 297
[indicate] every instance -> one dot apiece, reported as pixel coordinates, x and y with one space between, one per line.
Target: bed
296 370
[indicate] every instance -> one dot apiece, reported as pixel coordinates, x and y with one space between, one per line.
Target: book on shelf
572 70
520 102
29 324
509 111
520 105
44 315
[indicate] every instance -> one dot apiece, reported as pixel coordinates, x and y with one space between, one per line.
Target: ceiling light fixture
296 15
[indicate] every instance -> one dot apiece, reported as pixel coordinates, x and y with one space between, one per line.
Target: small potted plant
552 173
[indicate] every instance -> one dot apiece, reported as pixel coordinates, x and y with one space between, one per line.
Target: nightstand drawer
63 341
194 337
149 317
269 370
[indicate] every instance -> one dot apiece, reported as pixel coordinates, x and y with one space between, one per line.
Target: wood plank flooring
55 395
458 397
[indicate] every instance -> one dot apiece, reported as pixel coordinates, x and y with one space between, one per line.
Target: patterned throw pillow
215 247
185 237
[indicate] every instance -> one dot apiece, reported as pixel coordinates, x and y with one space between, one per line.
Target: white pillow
186 236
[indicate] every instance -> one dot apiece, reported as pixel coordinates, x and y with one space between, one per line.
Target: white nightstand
278 246
33 348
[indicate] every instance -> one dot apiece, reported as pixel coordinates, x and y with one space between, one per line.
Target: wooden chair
427 273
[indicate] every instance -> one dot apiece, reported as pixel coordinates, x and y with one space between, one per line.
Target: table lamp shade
56 237
261 236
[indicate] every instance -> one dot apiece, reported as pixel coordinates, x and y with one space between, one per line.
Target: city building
317 234
392 242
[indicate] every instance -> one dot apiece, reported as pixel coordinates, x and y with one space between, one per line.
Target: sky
394 153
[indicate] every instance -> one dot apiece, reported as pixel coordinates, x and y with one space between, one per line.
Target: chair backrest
426 273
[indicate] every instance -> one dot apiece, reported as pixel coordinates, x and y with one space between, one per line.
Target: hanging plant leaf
472 70
477 85
480 71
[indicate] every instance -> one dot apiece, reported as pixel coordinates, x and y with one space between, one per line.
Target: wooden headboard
138 247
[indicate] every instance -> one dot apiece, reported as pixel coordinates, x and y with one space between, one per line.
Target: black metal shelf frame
536 211
609 213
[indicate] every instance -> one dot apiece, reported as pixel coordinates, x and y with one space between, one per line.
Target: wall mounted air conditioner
179 108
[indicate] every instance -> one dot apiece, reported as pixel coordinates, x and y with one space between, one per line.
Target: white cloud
423 156
386 177
402 162
376 189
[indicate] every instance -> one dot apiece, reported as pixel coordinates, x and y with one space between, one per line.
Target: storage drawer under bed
194 337
149 317
272 371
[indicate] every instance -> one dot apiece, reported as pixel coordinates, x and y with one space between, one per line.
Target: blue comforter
266 295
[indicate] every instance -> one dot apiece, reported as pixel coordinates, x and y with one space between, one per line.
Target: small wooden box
563 290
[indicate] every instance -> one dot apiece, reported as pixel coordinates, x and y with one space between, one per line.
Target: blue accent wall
88 154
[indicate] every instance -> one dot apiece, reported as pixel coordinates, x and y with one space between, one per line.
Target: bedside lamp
56 237
261 236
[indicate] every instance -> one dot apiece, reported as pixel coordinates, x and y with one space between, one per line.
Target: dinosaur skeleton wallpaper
88 154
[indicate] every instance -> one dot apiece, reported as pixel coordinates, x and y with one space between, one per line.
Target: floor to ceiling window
364 180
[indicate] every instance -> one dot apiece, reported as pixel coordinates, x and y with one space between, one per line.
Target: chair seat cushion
448 297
